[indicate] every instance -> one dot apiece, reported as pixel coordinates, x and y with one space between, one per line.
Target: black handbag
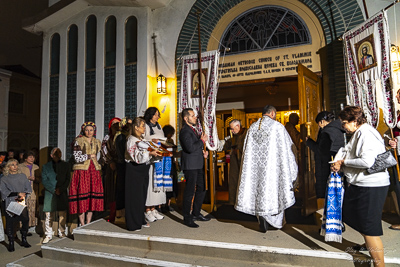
382 162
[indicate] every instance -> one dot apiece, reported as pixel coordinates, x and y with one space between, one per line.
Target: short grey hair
235 121
268 109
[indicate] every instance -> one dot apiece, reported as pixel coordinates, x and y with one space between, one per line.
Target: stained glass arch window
264 28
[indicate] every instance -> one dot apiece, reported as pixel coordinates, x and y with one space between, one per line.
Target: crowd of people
119 174
134 179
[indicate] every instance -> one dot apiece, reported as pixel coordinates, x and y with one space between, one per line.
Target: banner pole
201 111
395 156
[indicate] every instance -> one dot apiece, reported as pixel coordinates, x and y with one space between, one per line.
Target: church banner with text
267 64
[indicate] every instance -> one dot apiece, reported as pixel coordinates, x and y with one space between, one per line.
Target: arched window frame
250 32
110 42
72 49
90 44
131 40
55 42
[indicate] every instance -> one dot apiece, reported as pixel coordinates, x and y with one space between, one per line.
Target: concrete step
34 260
97 254
214 243
199 249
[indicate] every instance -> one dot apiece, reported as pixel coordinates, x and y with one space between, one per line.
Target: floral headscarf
89 123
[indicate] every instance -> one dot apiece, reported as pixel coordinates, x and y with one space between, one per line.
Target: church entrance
245 100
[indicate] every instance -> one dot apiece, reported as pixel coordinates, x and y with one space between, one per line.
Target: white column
120 69
100 77
45 93
62 91
143 44
80 75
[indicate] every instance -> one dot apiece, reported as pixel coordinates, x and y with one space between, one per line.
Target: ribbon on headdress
89 123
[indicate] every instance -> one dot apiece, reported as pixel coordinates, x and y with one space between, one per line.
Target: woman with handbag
15 187
365 196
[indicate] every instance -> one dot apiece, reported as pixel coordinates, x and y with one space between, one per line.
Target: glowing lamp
161 89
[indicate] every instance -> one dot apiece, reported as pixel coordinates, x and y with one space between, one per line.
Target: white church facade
101 58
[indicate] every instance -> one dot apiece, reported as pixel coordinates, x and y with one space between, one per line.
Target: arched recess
334 19
90 68
131 67
54 89
109 69
71 87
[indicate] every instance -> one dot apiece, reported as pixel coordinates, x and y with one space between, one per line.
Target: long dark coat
57 176
330 139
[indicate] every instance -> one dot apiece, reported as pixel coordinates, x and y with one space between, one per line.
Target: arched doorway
267 43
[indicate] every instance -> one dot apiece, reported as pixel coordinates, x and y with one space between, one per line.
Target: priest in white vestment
268 172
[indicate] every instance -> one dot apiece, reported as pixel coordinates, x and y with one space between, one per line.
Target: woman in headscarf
157 187
86 191
137 177
14 186
109 160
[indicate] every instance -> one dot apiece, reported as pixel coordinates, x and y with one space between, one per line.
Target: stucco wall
167 23
143 57
23 128
4 89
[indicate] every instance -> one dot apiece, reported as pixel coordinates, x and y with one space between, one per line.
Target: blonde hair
6 169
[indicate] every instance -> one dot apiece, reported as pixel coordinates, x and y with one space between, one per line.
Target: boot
24 242
10 240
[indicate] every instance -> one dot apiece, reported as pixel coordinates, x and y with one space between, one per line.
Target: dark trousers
120 186
395 184
11 221
136 184
194 186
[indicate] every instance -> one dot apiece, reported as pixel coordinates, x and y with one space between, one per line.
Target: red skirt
86 191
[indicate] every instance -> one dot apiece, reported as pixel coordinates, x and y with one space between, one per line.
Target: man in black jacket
192 161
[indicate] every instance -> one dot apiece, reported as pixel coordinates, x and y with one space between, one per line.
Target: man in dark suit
192 161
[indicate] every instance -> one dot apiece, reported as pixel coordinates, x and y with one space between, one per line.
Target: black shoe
263 224
11 246
191 223
201 218
10 236
29 234
24 243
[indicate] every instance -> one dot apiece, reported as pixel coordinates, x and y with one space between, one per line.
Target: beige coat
32 199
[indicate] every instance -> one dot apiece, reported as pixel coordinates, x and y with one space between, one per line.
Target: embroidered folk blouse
82 151
136 154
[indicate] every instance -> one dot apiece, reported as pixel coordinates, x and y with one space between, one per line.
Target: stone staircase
215 243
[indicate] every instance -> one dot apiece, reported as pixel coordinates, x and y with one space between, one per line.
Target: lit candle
230 132
288 100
